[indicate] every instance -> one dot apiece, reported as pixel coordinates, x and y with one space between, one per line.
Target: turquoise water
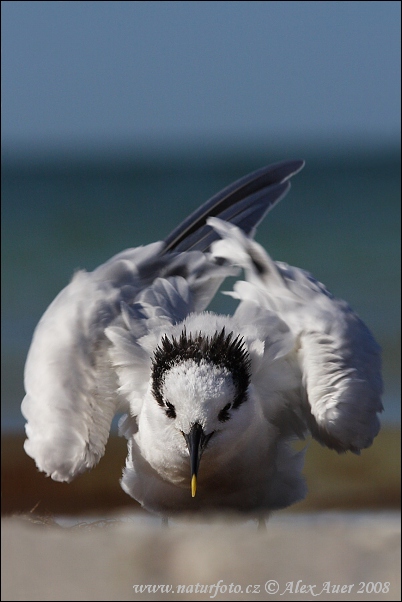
341 221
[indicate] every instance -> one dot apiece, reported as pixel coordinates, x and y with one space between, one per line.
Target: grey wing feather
233 203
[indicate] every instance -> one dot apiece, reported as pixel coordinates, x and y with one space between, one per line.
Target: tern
210 403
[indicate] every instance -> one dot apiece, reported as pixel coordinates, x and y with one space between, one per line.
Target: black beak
196 441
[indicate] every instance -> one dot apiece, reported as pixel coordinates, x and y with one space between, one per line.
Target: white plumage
134 337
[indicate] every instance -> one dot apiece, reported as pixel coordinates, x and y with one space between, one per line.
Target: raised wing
330 381
244 204
81 346
71 393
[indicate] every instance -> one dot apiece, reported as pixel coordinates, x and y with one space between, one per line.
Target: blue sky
111 74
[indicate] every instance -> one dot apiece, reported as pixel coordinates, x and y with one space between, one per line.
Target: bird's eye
224 414
170 410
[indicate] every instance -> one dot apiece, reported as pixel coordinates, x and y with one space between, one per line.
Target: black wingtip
260 187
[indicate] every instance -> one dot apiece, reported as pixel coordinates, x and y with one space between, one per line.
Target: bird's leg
165 521
261 522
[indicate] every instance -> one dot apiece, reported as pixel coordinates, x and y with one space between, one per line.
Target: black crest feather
221 349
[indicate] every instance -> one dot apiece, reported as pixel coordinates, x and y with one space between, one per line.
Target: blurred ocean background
120 118
63 212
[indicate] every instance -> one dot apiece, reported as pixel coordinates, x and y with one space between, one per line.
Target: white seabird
210 402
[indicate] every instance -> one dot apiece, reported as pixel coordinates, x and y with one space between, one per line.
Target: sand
345 534
298 556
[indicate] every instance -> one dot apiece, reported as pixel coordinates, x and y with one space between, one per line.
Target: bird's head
199 383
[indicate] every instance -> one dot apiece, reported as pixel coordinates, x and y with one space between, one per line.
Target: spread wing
72 371
327 378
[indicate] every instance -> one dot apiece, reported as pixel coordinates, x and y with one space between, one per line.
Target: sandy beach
89 541
331 556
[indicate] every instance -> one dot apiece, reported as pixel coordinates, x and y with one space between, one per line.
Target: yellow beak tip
193 485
